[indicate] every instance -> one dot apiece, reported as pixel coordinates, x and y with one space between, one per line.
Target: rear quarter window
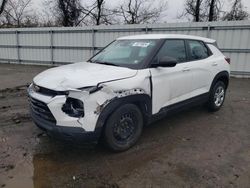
197 50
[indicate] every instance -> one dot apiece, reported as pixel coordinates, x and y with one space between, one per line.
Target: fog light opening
73 107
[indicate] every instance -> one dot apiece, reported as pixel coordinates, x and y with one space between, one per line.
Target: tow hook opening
73 107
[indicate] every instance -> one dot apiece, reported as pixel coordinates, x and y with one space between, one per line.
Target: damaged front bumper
65 133
47 113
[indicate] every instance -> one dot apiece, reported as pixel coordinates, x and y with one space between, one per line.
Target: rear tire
217 96
123 128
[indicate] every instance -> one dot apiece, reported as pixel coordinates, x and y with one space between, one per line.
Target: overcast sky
175 7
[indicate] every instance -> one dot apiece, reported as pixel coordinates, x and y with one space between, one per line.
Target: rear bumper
65 133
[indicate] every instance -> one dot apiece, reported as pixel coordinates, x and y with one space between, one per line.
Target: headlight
35 87
73 107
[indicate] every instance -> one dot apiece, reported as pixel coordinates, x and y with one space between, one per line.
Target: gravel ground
193 148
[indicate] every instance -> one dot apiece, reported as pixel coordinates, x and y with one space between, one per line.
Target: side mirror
166 61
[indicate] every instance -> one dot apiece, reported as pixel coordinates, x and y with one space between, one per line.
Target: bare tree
17 13
195 9
2 5
203 10
96 13
93 13
99 7
51 15
215 10
211 10
75 13
69 12
48 14
140 11
237 12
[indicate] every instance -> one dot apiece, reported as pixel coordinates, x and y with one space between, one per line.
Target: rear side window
197 50
172 48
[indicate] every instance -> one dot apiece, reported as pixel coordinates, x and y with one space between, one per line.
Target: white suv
126 85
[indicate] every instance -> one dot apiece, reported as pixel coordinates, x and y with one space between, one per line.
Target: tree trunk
211 11
2 6
99 11
197 11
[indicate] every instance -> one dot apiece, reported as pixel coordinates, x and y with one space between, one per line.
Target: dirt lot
191 149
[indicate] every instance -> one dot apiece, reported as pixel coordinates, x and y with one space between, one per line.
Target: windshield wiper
106 63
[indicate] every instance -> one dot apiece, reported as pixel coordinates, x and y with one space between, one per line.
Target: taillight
228 60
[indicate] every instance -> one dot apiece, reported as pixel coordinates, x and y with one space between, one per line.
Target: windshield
126 53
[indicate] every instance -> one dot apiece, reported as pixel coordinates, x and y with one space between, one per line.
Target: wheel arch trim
222 74
143 101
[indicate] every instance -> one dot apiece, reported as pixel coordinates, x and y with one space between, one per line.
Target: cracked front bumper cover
66 133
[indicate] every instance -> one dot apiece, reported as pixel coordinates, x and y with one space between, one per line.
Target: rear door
202 63
171 84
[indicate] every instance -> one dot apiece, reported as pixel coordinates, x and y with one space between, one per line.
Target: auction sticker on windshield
141 44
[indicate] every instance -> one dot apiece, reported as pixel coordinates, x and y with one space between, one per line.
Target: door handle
214 64
186 69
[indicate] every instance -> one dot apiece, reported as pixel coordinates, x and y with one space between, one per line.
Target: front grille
50 92
41 109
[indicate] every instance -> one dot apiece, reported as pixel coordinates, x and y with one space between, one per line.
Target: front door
171 84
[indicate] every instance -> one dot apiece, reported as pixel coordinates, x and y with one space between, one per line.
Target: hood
79 75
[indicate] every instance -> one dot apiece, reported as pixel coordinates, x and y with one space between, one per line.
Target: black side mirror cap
166 61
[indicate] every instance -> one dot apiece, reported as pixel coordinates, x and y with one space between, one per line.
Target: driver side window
173 48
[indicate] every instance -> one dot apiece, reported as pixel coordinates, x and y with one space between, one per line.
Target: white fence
67 45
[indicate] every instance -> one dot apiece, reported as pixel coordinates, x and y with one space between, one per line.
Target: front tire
217 96
123 127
